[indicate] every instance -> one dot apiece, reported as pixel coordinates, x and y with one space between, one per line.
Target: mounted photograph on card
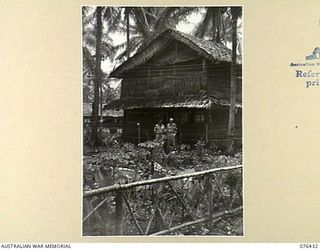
162 121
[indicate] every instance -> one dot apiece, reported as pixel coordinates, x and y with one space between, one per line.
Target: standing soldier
159 130
171 133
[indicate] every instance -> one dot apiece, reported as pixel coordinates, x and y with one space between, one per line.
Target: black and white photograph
162 121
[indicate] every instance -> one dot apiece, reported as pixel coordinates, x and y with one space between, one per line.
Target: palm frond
88 60
132 29
87 18
108 50
89 41
135 44
112 17
161 21
140 22
204 24
184 12
123 45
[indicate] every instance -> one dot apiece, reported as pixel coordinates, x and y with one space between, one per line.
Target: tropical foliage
148 22
216 25
139 25
126 163
118 162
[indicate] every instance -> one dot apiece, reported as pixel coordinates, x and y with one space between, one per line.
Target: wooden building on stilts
180 76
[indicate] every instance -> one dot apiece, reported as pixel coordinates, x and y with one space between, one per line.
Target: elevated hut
181 76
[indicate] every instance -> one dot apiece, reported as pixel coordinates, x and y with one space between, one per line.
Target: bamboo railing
121 200
117 187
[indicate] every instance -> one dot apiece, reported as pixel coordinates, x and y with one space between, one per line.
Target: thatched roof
87 111
200 101
213 51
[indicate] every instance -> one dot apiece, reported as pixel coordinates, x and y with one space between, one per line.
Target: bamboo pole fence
117 187
121 199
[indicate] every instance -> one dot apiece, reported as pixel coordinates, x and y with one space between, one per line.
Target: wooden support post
233 85
179 128
118 213
155 206
204 65
233 198
207 132
149 223
184 206
148 81
205 72
132 215
139 132
162 219
235 193
209 194
175 56
157 225
220 192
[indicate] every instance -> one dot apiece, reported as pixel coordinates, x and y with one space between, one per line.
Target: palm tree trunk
128 31
97 80
100 108
233 89
216 25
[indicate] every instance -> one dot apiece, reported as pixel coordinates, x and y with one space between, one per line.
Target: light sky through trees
185 26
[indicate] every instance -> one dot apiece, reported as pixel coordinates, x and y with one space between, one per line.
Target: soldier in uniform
171 133
159 131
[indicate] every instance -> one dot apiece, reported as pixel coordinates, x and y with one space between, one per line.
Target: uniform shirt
159 129
171 128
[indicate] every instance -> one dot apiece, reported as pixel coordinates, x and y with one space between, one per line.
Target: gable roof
213 51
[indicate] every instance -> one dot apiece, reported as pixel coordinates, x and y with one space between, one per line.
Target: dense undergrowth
157 207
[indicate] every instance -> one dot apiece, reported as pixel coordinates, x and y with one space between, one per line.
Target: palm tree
147 23
111 18
98 42
213 24
97 77
216 25
127 14
228 32
236 12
